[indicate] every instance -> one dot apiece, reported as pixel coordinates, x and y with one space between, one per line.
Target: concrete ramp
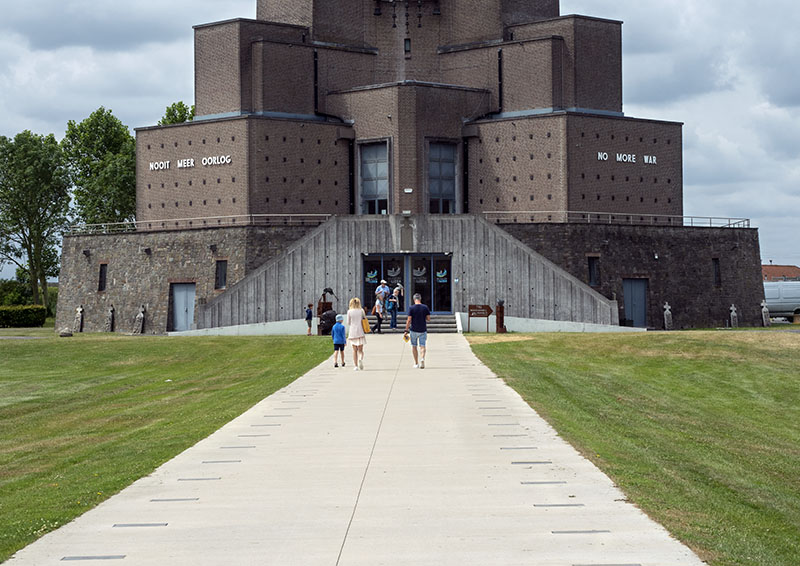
487 264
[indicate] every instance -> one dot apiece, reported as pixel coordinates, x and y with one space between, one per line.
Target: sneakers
355 368
422 363
416 366
336 365
361 364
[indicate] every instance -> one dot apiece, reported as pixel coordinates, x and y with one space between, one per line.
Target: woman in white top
355 334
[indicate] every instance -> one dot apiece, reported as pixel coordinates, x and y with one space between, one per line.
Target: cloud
113 26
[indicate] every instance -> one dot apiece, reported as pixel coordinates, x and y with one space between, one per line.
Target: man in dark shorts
419 316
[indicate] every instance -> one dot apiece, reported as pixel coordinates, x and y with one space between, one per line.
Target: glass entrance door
394 271
428 275
431 278
421 280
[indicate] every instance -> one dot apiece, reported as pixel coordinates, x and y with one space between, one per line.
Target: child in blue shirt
339 340
309 317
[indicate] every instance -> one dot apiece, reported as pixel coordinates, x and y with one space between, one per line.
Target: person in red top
419 316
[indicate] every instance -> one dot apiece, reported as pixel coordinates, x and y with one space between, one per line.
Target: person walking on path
355 332
419 316
339 340
309 317
392 304
378 311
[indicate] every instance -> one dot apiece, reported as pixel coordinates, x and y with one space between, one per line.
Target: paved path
389 466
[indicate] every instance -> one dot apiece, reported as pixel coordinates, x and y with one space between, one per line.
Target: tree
34 206
177 113
102 163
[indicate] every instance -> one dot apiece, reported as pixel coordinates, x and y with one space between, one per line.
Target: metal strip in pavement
559 505
138 525
222 462
81 558
580 532
175 500
543 482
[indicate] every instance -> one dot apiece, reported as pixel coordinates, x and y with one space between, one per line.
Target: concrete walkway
389 466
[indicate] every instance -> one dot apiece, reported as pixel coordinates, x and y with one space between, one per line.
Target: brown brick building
498 108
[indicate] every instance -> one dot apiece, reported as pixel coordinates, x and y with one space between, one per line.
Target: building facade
502 110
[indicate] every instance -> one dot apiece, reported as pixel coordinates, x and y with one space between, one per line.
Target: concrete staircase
439 324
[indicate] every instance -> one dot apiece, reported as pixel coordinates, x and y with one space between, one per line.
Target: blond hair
355 303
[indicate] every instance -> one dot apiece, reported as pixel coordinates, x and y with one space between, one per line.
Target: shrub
22 316
13 292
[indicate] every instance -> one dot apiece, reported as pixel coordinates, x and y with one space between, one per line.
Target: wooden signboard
479 311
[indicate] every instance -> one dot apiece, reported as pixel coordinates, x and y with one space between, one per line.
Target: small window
717 272
101 280
594 271
407 45
221 277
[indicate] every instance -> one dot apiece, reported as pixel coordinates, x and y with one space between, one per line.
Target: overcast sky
724 68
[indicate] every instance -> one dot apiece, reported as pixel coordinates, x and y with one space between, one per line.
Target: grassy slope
701 430
81 418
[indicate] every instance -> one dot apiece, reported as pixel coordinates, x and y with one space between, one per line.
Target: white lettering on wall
217 160
629 158
188 163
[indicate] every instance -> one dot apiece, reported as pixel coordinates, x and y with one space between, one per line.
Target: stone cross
109 327
77 323
667 317
765 314
734 317
138 325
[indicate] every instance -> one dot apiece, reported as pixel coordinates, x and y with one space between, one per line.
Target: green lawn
699 429
83 417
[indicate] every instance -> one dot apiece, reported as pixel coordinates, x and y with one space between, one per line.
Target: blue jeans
393 323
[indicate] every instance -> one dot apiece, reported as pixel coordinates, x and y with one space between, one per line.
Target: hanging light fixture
436 10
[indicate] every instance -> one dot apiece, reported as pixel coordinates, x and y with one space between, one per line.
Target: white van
783 297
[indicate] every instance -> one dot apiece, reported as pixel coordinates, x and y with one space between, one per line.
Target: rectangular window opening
374 178
102 279
442 178
221 277
717 273
594 271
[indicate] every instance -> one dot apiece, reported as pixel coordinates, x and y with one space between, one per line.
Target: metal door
635 292
182 306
